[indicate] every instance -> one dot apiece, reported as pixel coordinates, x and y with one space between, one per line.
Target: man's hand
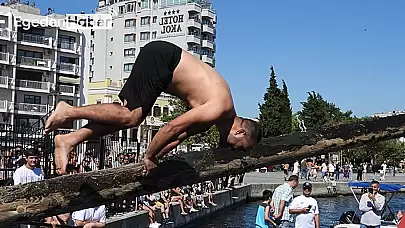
150 163
371 196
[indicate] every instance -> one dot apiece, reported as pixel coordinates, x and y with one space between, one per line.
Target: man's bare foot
58 117
62 151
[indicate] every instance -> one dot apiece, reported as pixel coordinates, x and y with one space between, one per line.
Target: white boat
350 219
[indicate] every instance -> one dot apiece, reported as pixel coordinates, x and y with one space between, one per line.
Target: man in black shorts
160 67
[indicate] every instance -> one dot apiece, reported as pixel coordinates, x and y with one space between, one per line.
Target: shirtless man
160 67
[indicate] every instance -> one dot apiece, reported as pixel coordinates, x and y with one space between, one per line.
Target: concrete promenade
278 177
254 184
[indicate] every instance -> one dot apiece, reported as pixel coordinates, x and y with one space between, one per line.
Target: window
121 9
145 35
157 111
30 54
31 99
128 67
145 20
129 52
130 23
165 110
154 35
145 4
154 20
130 7
129 38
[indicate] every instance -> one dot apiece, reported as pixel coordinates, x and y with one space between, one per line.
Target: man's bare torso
197 84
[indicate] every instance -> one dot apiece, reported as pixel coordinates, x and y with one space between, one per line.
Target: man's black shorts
150 75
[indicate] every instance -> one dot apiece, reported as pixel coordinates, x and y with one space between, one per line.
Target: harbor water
330 210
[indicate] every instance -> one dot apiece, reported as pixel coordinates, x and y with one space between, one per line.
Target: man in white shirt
371 205
306 209
90 218
29 172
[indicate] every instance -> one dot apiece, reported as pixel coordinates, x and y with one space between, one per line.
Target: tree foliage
210 137
317 112
275 112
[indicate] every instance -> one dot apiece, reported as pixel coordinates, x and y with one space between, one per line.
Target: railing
195 18
66 89
70 67
28 61
66 45
25 107
32 38
32 84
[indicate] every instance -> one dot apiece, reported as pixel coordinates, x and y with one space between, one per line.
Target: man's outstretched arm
190 123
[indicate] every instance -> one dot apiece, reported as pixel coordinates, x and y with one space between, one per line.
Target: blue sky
315 45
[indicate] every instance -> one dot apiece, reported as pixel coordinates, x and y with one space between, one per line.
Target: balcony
32 109
194 22
192 38
34 86
208 12
5 105
208 28
68 68
6 58
69 47
34 63
208 44
67 90
208 59
193 7
35 40
195 52
5 82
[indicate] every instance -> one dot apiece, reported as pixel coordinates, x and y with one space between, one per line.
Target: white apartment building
39 66
189 24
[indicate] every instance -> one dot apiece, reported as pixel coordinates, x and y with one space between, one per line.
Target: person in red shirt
401 223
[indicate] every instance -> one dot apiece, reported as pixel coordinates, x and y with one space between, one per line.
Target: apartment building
39 66
189 24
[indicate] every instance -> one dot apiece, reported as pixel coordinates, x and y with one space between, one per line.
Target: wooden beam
75 192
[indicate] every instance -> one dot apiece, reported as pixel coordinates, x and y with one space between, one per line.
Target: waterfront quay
253 185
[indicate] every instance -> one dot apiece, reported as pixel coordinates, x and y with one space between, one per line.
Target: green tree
286 110
317 112
211 137
273 111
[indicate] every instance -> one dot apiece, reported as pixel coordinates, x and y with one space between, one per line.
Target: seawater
330 210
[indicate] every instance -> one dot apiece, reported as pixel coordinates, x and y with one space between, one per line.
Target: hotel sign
171 23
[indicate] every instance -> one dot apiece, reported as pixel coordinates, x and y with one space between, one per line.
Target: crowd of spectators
159 206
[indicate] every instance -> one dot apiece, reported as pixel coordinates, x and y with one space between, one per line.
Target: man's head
267 194
244 134
375 185
32 157
293 181
307 189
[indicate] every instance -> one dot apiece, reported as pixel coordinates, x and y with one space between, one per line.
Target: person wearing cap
305 208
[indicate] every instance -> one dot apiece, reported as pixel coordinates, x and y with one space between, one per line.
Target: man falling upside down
160 67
